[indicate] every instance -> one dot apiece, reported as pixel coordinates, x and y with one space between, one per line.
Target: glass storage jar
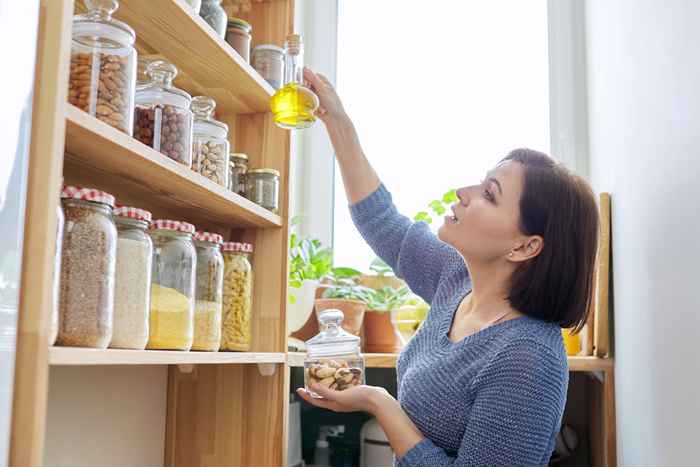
239 167
87 268
142 76
172 286
210 145
209 292
262 186
238 36
56 286
162 117
214 14
132 293
268 60
103 65
236 326
196 5
333 356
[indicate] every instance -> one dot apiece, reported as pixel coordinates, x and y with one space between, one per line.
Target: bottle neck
294 68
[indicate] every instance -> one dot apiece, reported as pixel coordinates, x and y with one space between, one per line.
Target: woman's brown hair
559 206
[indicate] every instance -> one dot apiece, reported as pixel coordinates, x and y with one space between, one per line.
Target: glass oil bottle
294 105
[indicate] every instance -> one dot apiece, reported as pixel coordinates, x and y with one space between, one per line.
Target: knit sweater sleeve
414 253
519 402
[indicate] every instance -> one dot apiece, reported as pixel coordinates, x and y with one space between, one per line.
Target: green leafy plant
308 260
387 298
380 268
437 207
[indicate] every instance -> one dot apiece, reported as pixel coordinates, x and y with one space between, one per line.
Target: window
438 98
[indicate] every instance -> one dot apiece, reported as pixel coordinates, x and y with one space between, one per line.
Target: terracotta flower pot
353 310
380 334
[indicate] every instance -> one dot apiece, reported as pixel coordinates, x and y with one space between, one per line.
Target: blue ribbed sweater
493 399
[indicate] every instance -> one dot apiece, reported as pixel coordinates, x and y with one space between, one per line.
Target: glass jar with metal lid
238 36
333 356
262 186
215 15
238 168
56 285
163 119
132 294
209 292
88 266
210 145
172 285
103 65
236 325
268 60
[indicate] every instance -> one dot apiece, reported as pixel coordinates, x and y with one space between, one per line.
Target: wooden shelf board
97 146
80 356
175 32
385 360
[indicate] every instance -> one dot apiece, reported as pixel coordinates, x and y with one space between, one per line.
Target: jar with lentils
103 65
87 268
238 168
162 117
236 327
210 147
262 186
209 292
132 294
172 286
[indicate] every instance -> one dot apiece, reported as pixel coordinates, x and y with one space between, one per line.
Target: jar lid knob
102 9
162 71
203 106
330 316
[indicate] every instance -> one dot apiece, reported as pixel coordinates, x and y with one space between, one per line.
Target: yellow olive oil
293 106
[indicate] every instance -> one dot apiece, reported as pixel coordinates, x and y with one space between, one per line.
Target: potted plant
382 276
346 295
380 333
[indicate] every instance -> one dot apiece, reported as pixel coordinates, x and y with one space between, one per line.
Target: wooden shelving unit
248 423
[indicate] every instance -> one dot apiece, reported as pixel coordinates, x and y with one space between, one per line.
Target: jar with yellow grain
172 286
236 327
209 292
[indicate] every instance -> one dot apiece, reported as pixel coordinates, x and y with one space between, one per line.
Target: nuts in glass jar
174 135
333 374
107 96
211 160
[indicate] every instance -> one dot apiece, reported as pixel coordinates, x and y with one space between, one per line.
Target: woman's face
484 224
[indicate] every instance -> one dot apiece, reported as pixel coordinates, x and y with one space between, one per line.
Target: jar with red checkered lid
236 329
88 265
209 291
132 294
172 285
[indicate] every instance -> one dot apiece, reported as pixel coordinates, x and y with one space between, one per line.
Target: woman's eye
488 195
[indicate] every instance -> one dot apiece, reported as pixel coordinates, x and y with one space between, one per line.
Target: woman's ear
528 249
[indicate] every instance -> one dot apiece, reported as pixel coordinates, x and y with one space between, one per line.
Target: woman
483 382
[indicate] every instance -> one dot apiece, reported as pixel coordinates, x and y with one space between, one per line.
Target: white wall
644 124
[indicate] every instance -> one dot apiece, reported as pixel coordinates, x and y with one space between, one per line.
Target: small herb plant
388 298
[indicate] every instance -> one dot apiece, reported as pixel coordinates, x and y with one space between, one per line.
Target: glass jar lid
133 213
333 339
237 247
209 237
239 158
204 122
240 24
97 24
275 50
173 226
273 172
87 194
160 90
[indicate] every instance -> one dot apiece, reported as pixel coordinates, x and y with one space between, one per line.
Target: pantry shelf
80 356
171 29
93 145
387 360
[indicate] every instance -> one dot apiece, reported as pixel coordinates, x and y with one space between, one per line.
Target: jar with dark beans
238 168
163 119
103 65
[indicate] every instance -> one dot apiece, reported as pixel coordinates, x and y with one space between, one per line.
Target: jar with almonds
210 148
333 356
162 117
103 65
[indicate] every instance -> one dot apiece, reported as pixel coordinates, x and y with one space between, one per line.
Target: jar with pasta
209 292
236 327
132 295
88 265
210 142
172 286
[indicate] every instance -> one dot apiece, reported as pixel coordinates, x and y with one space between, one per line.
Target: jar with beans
132 294
209 292
210 144
162 117
262 186
103 65
172 286
333 356
236 326
238 36
56 286
238 169
88 266
268 60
